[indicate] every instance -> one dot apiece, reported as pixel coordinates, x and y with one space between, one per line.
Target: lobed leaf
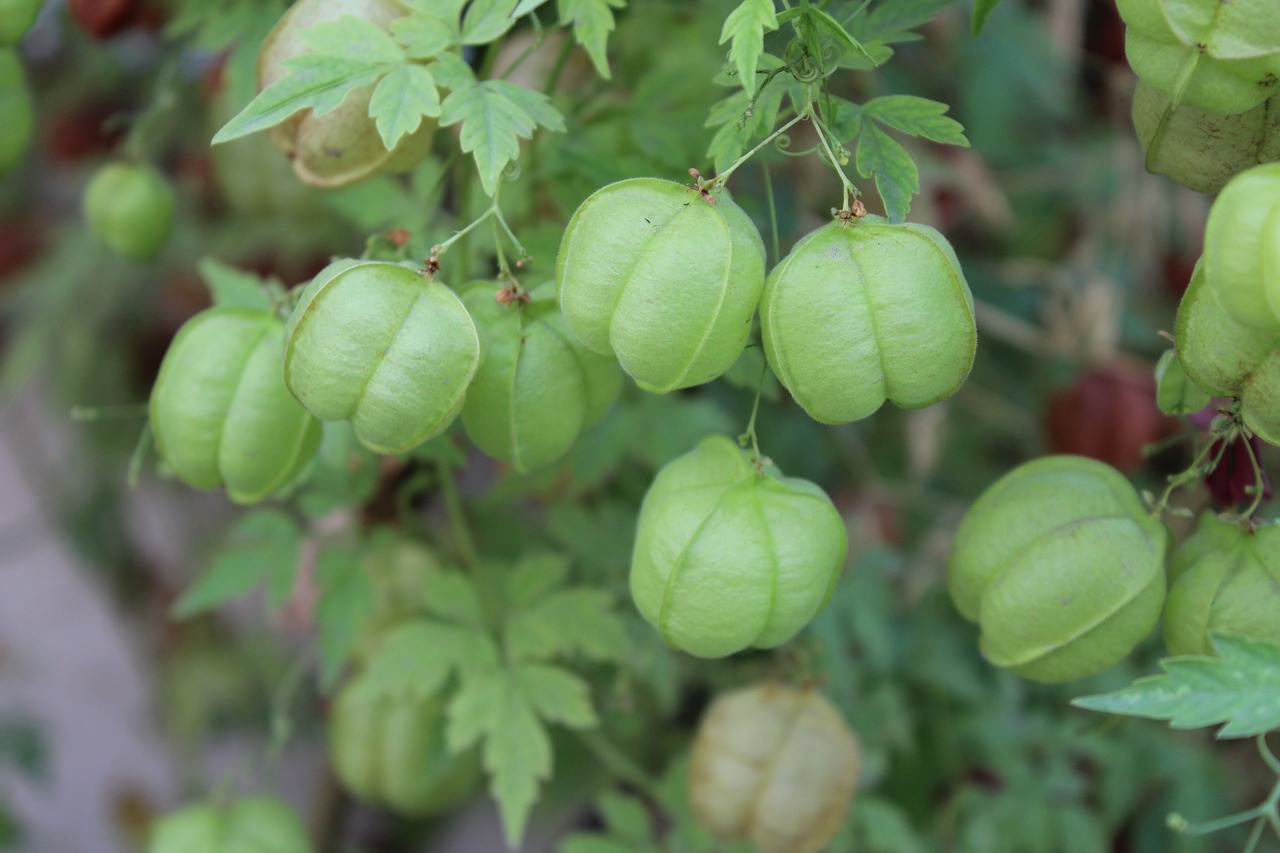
592 22
231 287
486 20
401 99
262 547
895 173
425 36
346 601
918 117
745 27
495 115
354 39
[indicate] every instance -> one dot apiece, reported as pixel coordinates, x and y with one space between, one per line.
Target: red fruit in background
1231 481
104 18
1108 414
82 133
20 241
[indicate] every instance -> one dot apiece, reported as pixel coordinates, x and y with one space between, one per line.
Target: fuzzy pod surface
129 209
1200 150
1228 358
1222 58
861 313
1233 588
774 764
15 106
652 273
220 412
260 824
381 345
1062 568
343 145
727 557
1242 246
390 750
1176 394
538 386
16 17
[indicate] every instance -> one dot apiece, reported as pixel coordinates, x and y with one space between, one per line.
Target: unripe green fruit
1214 86
776 765
16 17
252 825
129 208
391 750
15 106
1176 394
861 313
381 345
343 145
1212 535
1242 247
1201 150
661 278
1062 568
537 387
1230 359
728 557
220 412
1232 589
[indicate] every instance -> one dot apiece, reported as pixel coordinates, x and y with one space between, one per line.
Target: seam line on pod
863 289
231 403
296 332
1016 555
674 576
725 284
511 393
958 287
368 380
773 555
577 363
781 360
766 772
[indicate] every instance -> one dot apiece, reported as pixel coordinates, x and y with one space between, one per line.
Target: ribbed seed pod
1212 534
1062 568
728 557
1200 150
861 313
1222 56
1230 359
664 280
537 387
382 346
252 825
129 208
391 750
1232 589
1176 394
776 765
15 106
1242 247
220 412
343 145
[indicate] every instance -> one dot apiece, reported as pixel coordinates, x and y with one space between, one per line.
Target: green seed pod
537 387
1212 535
1062 568
1176 394
776 765
1232 589
863 313
391 750
252 825
1222 56
728 557
343 145
382 346
16 17
15 106
1242 247
1228 358
664 280
1200 150
129 209
220 412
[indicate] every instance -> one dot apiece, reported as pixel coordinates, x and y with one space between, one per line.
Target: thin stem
619 763
127 411
139 455
562 59
850 191
723 177
1255 835
773 211
750 434
1258 489
1264 749
281 723
458 235
457 518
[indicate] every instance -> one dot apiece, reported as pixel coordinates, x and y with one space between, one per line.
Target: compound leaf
918 117
402 98
346 601
262 546
894 171
592 22
495 115
745 27
354 39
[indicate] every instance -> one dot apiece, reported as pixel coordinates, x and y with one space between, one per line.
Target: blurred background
112 712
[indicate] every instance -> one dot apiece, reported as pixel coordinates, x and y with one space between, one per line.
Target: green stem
773 212
850 191
464 544
723 177
127 411
281 724
139 455
619 763
750 434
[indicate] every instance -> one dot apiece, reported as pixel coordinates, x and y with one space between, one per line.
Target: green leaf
262 546
573 621
416 658
534 577
446 9
402 98
841 35
918 117
626 817
495 115
982 10
318 83
354 39
424 36
894 171
746 26
559 695
233 288
346 601
451 595
452 72
527 6
1240 689
592 22
487 20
